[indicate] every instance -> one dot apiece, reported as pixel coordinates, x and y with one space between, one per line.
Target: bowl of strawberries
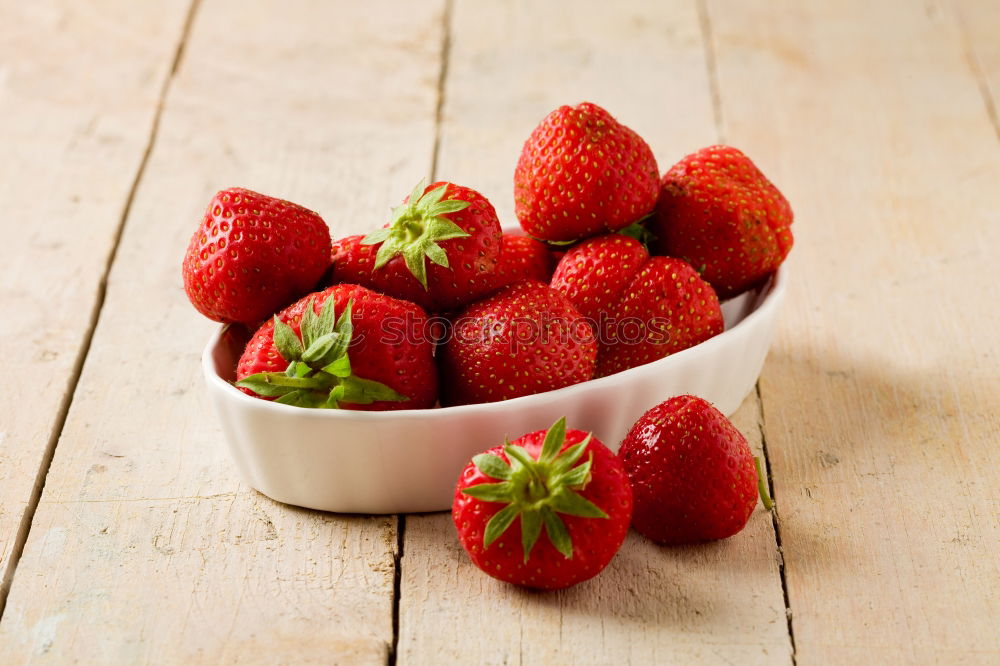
361 374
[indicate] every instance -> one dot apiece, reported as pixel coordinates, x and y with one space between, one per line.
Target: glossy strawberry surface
523 258
594 540
253 254
525 339
718 212
692 473
666 308
593 274
389 345
583 173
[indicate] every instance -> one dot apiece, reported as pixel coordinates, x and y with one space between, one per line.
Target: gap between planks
707 37
977 69
28 516
397 580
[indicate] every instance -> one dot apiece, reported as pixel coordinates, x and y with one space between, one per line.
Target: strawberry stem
765 498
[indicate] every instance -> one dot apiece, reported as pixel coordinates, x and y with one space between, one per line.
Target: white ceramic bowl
409 460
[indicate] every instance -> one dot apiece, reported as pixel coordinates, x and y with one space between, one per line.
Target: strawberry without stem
440 250
718 212
252 254
525 339
665 309
692 473
642 308
523 258
593 274
345 347
548 510
582 173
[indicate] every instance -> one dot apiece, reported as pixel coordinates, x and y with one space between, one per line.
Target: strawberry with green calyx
309 357
548 510
319 370
440 250
415 230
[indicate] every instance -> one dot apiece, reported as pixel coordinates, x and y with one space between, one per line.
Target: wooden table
125 535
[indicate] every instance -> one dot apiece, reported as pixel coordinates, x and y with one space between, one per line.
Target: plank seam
397 587
978 72
712 70
775 522
397 582
27 518
442 80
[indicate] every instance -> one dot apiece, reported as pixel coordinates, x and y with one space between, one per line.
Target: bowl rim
767 300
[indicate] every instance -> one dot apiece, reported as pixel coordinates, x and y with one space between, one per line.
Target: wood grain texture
721 602
882 396
711 603
145 547
71 145
979 21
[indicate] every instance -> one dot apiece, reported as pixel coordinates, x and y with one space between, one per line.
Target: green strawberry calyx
537 490
415 230
319 370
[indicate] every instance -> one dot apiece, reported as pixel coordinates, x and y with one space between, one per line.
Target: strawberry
666 308
525 339
345 347
692 473
582 173
642 308
718 212
252 255
506 495
523 257
593 274
440 250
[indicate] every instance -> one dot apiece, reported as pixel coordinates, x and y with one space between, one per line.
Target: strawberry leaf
531 527
286 342
574 504
492 466
499 523
489 492
554 439
556 529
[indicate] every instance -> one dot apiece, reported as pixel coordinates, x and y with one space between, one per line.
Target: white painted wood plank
79 87
510 64
881 399
145 547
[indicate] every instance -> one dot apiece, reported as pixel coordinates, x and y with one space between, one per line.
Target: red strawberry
363 351
525 339
643 308
252 255
718 212
506 495
666 308
593 274
693 475
582 173
523 257
440 250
